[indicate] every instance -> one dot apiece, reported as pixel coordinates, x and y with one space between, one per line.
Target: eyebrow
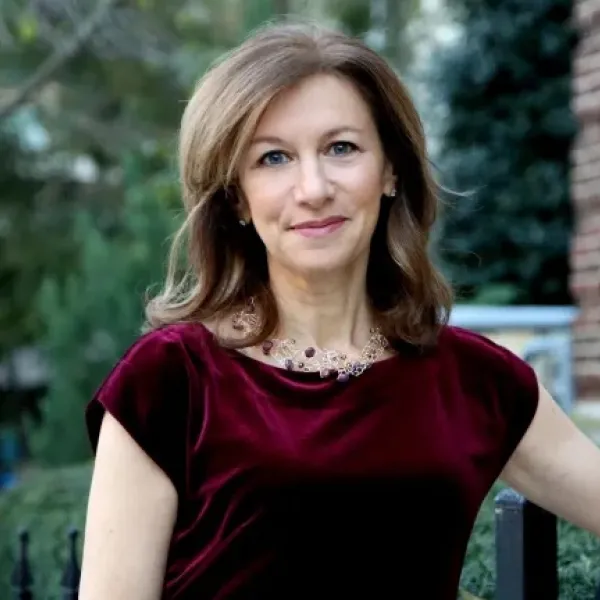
272 139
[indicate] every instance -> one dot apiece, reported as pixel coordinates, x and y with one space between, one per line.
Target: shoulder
481 357
496 388
148 391
159 363
155 347
466 344
164 347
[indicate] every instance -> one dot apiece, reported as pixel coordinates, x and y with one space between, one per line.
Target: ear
240 205
389 179
243 212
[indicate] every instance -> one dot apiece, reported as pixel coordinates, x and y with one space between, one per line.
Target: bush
94 314
48 503
507 135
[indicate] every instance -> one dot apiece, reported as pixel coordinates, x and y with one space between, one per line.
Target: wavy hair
226 264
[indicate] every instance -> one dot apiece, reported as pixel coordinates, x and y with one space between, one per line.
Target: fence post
526 549
71 574
21 580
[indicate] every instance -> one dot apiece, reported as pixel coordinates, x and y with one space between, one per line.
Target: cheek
365 181
264 200
367 196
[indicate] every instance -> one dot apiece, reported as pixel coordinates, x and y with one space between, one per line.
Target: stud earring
243 223
393 192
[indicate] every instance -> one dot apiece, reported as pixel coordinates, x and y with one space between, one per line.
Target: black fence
526 555
22 578
526 550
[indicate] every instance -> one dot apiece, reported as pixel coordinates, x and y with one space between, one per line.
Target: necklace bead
323 361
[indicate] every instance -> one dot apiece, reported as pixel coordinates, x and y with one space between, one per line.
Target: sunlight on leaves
27 28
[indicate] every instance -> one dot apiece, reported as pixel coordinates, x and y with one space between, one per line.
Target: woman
301 421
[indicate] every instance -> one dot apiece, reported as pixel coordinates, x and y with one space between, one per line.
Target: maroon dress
292 487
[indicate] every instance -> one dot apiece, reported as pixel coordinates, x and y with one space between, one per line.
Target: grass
49 502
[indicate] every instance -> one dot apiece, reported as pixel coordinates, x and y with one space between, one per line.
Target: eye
273 158
342 148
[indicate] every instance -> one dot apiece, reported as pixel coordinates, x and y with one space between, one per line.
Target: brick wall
585 254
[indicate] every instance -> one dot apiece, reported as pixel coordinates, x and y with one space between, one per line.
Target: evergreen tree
506 138
97 311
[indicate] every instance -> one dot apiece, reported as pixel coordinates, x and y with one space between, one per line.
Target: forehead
321 101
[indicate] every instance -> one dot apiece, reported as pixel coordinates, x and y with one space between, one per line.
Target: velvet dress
295 487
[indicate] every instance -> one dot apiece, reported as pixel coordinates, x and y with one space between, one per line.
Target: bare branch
59 58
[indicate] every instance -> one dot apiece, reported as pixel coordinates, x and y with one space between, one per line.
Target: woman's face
314 175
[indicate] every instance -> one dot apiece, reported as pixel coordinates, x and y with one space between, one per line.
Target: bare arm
130 518
558 467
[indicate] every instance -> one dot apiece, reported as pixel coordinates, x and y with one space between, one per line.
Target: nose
313 187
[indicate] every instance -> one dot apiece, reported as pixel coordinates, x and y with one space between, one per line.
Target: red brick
584 256
587 105
583 154
588 81
588 171
586 241
587 385
586 191
588 44
584 65
587 13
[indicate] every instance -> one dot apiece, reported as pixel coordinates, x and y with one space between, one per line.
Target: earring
242 223
393 192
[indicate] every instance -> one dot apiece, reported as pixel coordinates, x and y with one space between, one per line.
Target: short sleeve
147 393
507 392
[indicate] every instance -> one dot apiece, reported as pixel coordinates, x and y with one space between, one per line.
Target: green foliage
47 503
20 263
96 312
50 502
123 90
578 567
354 15
507 137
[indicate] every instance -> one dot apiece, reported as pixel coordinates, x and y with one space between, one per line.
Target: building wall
585 254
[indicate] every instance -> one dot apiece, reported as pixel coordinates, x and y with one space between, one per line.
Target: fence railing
22 578
526 550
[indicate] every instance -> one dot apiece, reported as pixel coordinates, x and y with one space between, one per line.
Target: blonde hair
226 263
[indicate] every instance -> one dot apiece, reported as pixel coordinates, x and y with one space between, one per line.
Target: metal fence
526 550
23 575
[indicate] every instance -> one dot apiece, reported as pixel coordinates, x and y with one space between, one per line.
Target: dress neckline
281 373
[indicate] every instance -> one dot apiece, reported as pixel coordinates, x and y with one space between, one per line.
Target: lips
319 224
319 228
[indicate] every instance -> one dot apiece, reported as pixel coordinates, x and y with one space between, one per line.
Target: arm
557 467
130 518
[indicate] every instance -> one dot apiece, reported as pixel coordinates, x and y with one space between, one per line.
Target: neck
331 312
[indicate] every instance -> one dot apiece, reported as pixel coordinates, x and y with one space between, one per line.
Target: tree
84 81
383 23
94 313
506 138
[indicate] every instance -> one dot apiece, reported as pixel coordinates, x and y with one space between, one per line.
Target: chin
324 265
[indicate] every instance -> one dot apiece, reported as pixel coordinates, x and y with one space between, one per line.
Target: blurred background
91 92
